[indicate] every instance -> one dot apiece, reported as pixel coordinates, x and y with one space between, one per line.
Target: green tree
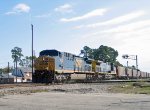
27 61
117 63
5 70
103 53
87 51
106 54
1 70
16 55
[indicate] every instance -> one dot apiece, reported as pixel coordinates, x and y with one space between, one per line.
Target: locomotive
53 65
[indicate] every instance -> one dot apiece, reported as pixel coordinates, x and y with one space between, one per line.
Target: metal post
16 65
8 72
136 62
127 63
32 48
16 71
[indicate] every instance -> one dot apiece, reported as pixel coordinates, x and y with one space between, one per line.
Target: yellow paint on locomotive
44 63
94 66
78 63
51 64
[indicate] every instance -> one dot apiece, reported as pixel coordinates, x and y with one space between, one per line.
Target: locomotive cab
45 66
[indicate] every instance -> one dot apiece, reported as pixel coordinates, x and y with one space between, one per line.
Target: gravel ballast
81 88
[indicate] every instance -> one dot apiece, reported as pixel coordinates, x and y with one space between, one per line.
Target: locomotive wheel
60 78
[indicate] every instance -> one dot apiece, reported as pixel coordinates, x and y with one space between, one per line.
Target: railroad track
69 82
20 85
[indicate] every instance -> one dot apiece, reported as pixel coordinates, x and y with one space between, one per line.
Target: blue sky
68 25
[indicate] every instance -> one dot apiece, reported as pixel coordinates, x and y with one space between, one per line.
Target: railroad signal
132 57
125 56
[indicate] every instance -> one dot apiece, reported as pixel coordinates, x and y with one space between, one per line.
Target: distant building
23 74
6 78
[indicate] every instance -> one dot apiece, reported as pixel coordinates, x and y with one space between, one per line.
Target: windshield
49 53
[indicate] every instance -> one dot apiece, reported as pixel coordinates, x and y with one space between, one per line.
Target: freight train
53 65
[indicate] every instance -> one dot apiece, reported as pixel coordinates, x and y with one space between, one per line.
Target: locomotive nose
44 69
44 63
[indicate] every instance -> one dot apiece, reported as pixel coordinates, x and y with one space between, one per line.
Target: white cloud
19 8
10 13
66 8
132 27
138 27
94 13
114 21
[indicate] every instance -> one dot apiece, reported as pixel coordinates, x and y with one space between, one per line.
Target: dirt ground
71 97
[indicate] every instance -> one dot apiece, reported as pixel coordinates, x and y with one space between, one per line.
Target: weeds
135 88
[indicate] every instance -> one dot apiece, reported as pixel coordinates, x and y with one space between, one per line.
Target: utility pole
32 49
8 67
127 63
16 66
8 72
16 71
136 62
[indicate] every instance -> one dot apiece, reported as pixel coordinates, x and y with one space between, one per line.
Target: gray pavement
69 101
